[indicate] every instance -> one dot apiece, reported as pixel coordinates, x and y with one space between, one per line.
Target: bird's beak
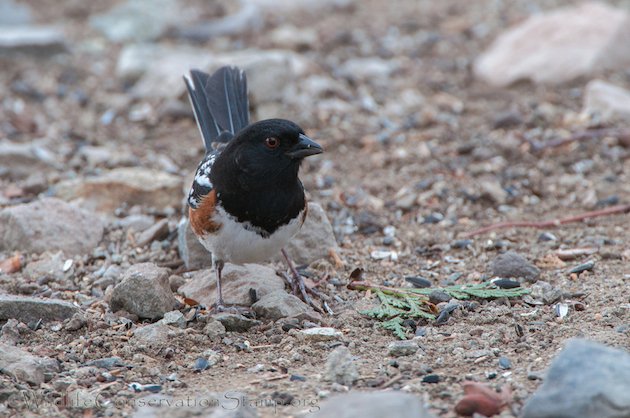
305 147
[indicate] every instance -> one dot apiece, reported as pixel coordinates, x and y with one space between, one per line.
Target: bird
246 200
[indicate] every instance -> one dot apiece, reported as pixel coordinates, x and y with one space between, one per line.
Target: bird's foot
221 307
302 291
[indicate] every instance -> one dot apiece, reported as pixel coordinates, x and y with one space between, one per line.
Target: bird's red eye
272 142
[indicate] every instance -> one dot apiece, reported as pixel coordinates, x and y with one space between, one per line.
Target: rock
513 265
292 37
123 186
373 405
157 232
30 309
318 334
340 367
25 367
174 318
315 240
12 13
31 39
368 68
194 254
136 222
235 322
157 334
587 380
159 69
492 191
280 304
402 348
75 323
237 280
30 228
11 331
48 267
545 292
609 102
18 161
138 20
559 46
144 291
214 330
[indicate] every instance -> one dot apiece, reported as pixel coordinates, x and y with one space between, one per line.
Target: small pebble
201 364
506 283
402 348
547 236
433 218
419 282
439 296
432 378
462 244
421 332
583 267
505 363
297 378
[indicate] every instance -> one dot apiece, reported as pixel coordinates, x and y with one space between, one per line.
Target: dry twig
613 210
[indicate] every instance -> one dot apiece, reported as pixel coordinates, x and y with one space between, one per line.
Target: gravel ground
418 153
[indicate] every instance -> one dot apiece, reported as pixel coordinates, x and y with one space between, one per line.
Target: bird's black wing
220 103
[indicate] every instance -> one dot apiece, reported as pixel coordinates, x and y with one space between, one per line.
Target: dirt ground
424 170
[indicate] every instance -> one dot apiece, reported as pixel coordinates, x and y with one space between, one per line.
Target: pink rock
559 46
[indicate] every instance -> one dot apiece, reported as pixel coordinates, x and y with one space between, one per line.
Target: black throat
266 203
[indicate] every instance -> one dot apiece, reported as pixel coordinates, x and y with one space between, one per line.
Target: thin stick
269 379
613 210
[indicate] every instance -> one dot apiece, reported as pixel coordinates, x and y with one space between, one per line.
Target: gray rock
19 160
125 185
49 266
513 265
157 232
402 348
214 330
368 68
373 405
158 69
175 319
157 334
318 334
25 367
545 292
32 39
194 254
75 323
138 20
11 331
144 291
136 222
12 13
30 309
30 228
586 380
340 367
607 101
559 46
315 240
236 280
235 322
280 304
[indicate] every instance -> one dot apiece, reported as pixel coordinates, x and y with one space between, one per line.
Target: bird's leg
218 267
298 283
220 306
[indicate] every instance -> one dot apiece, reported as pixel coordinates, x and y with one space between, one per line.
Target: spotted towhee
246 200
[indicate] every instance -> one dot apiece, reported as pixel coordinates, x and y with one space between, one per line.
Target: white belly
234 244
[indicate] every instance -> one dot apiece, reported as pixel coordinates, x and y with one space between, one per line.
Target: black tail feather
219 102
